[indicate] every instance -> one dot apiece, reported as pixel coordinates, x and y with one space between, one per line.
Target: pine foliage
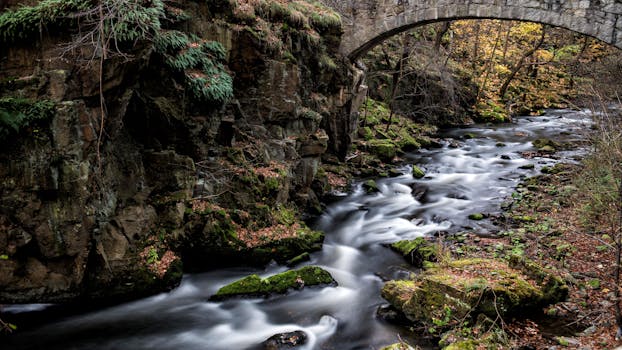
201 62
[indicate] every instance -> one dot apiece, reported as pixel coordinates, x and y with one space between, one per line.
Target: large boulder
449 292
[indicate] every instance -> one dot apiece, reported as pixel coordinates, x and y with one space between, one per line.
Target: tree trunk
519 65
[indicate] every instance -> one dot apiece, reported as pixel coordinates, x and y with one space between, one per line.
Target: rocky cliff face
92 213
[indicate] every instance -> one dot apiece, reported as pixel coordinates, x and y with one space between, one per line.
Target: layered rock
107 213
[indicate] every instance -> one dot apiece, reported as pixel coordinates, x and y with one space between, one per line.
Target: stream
474 172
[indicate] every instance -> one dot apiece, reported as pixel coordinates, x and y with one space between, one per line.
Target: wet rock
255 286
370 186
417 251
285 341
391 315
299 259
417 172
476 216
546 145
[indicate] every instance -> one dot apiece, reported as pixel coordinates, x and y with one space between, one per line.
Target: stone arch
370 22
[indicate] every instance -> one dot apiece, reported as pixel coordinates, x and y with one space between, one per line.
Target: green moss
385 150
476 216
417 251
254 285
370 186
26 21
299 259
545 144
126 21
417 172
594 283
464 286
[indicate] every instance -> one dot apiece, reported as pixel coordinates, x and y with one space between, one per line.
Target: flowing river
476 169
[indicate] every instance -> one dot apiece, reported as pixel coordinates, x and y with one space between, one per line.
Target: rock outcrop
103 201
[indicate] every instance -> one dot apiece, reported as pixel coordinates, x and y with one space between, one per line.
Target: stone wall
370 22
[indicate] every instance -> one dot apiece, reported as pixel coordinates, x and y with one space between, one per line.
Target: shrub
18 113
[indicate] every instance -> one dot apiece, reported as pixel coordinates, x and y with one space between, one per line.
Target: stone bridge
368 22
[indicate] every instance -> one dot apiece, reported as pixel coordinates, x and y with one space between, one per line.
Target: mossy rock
489 286
370 186
545 145
385 150
476 216
417 251
255 286
417 172
286 249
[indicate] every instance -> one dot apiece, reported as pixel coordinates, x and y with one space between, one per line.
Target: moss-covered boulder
449 292
385 150
417 251
215 236
255 286
417 172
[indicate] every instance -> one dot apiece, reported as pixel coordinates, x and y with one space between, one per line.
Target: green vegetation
489 70
124 21
386 134
202 63
476 216
453 291
417 251
283 27
24 22
17 114
253 285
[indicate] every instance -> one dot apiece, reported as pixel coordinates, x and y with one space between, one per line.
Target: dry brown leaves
336 181
157 266
256 238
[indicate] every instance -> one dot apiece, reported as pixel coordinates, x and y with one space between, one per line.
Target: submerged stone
545 145
417 172
285 341
255 286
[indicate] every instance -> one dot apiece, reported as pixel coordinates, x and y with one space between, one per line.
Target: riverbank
543 224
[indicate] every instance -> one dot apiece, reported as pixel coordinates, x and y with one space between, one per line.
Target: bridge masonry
368 22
